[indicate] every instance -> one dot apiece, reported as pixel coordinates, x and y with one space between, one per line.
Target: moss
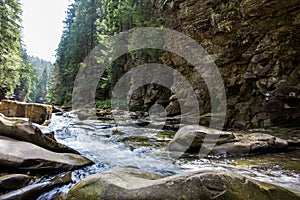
289 162
117 132
103 104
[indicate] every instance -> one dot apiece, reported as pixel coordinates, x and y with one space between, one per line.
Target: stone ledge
37 113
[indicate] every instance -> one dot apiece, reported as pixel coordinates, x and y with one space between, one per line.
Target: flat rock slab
21 129
253 143
23 156
208 141
133 183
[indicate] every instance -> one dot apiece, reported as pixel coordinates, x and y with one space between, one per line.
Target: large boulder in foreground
215 142
132 183
21 129
23 156
37 113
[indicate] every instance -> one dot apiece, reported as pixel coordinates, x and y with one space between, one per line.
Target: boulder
253 143
133 183
215 142
23 156
13 108
21 129
14 181
34 191
37 113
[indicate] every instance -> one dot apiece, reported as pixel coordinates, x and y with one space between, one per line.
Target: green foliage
17 76
88 24
43 73
104 104
10 44
78 39
26 80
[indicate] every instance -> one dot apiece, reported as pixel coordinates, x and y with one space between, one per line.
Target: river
112 146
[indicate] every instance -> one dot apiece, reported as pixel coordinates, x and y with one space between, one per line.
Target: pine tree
88 24
10 44
79 38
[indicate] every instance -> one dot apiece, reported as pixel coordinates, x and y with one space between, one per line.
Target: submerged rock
133 183
23 156
21 129
34 191
215 142
14 181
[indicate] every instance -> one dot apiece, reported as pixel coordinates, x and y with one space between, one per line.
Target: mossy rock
133 183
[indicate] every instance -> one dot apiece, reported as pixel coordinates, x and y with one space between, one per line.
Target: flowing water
111 146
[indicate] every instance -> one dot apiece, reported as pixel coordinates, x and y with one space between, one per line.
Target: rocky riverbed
140 151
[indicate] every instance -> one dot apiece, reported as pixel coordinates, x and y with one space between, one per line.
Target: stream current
112 146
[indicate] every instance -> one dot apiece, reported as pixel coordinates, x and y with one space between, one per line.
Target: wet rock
14 181
294 143
37 113
133 183
85 114
215 142
59 113
103 113
66 108
21 129
34 191
141 122
56 109
254 143
23 156
46 130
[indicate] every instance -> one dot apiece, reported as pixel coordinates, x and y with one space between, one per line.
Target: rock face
132 183
37 113
224 143
23 156
254 44
23 130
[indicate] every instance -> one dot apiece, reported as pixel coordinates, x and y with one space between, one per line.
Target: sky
42 23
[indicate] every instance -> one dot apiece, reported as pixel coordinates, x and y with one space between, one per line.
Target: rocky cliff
255 45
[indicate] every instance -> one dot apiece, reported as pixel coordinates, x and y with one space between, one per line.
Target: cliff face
255 45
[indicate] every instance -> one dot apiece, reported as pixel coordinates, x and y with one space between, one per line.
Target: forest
22 77
86 24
